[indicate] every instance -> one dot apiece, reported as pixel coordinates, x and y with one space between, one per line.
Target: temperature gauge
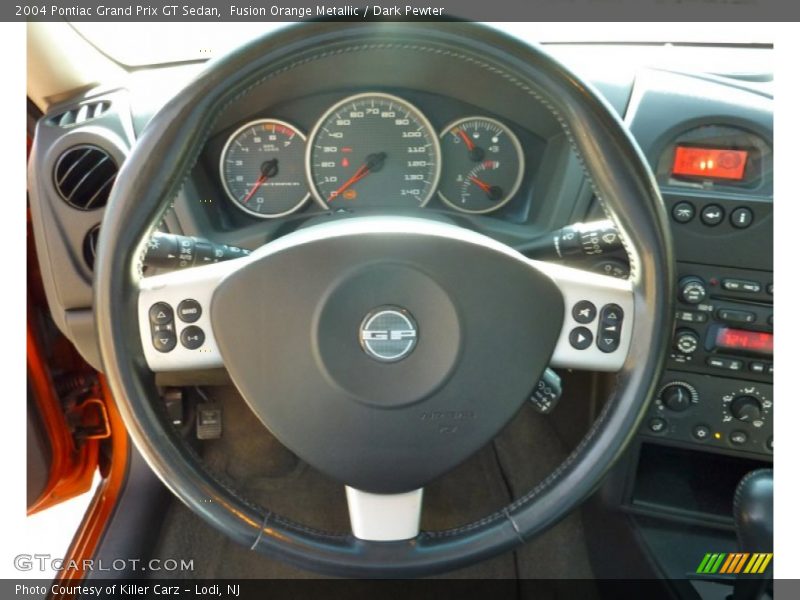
482 165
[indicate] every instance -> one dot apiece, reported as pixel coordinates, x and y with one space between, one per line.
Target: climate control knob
747 408
686 341
677 396
692 290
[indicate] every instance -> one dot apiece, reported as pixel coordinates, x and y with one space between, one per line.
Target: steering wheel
371 353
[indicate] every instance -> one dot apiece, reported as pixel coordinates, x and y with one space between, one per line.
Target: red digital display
713 163
749 341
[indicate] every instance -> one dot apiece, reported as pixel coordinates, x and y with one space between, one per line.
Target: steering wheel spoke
174 318
598 318
384 517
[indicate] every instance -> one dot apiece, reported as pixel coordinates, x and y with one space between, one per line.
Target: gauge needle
470 144
268 169
492 191
373 163
475 152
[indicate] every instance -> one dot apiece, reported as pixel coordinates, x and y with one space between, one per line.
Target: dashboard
421 137
399 149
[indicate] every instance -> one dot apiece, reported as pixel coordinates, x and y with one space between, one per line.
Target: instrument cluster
371 149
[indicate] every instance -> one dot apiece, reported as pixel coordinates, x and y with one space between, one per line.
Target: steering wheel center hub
375 337
388 334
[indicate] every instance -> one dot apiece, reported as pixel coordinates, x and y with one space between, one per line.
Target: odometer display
373 150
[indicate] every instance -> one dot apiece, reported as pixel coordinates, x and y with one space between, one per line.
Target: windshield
140 44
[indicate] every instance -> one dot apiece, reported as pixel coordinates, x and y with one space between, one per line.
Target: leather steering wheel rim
154 172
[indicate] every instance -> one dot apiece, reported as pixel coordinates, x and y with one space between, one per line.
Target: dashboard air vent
90 246
84 175
81 114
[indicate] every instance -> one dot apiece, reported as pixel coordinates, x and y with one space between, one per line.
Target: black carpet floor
524 454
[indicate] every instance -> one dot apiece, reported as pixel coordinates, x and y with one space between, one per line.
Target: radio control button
683 212
164 341
729 364
192 337
160 313
691 316
584 312
189 310
580 338
692 290
686 341
712 215
742 218
736 316
758 367
741 285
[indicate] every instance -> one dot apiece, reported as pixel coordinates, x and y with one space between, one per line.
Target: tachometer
482 165
373 149
262 168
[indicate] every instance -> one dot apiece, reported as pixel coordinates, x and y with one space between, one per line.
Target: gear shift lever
752 513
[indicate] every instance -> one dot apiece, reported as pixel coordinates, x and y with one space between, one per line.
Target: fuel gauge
482 165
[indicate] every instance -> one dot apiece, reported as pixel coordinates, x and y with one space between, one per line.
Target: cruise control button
192 337
712 215
657 425
164 341
742 218
580 338
738 438
160 313
683 212
584 312
189 310
701 432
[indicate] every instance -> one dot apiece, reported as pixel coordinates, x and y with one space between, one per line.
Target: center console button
736 316
692 290
701 432
738 438
712 215
742 218
657 425
683 212
741 285
686 341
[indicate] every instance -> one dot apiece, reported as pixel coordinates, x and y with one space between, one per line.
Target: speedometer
373 149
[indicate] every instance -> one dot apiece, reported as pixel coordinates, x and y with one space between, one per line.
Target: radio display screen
712 163
748 341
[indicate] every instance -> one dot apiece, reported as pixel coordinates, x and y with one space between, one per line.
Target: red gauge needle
268 169
254 189
481 184
470 144
373 163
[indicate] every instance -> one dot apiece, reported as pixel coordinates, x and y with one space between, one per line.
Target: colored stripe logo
734 563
